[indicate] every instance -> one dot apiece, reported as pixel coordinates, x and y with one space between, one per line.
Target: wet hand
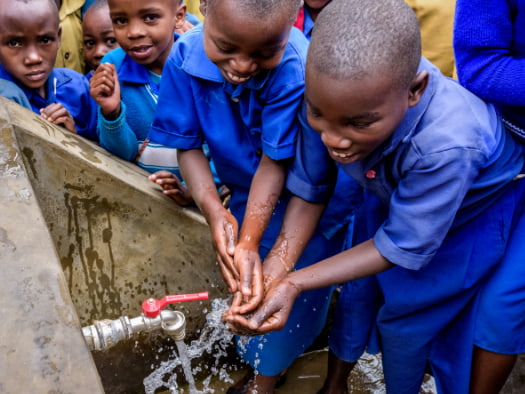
271 315
105 89
172 187
248 263
57 114
224 230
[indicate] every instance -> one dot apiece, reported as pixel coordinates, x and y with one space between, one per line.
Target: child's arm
265 190
57 114
195 169
357 262
172 187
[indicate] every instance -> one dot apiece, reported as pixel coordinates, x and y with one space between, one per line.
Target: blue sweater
489 45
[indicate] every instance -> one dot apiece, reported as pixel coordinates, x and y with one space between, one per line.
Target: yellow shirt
436 18
192 6
71 53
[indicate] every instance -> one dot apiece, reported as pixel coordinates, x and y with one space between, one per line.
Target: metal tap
104 334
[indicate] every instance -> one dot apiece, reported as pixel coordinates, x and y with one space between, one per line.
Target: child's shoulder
115 56
67 75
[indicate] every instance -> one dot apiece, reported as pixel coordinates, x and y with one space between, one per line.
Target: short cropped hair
98 4
352 38
52 5
262 9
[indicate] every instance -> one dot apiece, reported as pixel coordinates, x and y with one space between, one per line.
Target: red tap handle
152 307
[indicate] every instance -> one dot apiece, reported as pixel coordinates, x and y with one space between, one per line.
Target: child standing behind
126 84
444 170
98 35
29 41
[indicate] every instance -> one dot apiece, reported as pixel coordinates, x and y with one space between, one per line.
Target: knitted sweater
489 45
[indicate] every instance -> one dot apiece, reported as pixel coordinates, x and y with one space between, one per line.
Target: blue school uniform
9 90
446 179
126 135
239 123
69 88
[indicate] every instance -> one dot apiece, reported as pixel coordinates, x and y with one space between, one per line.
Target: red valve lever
151 307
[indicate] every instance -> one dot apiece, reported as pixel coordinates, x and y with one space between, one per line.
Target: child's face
29 41
98 36
144 29
355 117
242 47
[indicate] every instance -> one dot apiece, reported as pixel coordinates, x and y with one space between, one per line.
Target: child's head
29 40
243 37
144 29
361 74
98 35
316 6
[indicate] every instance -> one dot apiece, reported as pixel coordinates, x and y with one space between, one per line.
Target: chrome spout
103 334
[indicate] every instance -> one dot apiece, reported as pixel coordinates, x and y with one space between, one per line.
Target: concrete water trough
85 236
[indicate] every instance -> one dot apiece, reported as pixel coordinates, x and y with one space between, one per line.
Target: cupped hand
224 229
271 315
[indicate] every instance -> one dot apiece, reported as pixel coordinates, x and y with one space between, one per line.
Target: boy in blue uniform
236 82
444 173
126 84
29 41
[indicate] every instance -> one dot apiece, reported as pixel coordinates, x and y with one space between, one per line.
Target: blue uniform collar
408 126
197 64
53 84
308 24
132 72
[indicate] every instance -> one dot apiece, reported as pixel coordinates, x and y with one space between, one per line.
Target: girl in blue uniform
444 173
236 82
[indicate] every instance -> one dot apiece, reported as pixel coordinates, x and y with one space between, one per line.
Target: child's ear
417 88
180 16
202 7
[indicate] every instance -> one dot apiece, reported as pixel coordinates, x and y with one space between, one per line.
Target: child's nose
32 55
244 65
135 29
100 51
335 140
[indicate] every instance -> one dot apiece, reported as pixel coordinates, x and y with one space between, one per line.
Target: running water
215 340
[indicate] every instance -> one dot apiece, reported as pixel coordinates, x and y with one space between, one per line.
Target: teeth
236 78
342 155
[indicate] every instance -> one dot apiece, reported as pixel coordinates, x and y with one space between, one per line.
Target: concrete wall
83 237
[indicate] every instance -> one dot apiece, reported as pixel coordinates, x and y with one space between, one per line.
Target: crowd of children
351 160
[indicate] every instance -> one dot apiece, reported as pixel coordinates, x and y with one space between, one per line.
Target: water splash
215 340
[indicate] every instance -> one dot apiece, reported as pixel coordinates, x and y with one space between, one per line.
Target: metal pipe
103 334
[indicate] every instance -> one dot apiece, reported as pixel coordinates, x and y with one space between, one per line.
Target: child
308 14
443 170
30 37
126 84
98 35
236 82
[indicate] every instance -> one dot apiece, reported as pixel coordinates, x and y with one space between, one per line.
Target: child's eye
151 18
224 50
119 21
46 40
358 125
111 41
89 43
14 44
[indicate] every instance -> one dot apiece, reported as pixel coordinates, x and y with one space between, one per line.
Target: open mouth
236 78
141 52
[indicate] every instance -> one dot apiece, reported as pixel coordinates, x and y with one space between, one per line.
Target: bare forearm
360 261
266 187
195 171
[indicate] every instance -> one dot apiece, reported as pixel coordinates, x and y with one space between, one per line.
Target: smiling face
144 29
98 36
29 41
241 46
354 117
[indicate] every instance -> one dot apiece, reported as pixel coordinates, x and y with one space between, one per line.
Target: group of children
349 159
